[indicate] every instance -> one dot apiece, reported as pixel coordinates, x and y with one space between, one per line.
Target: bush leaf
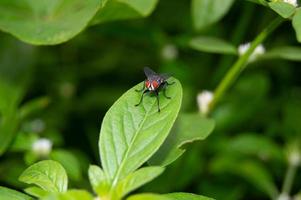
187 129
207 12
9 194
148 196
36 192
124 9
212 45
186 196
98 180
285 10
286 52
46 22
130 135
47 174
137 179
70 195
70 163
297 24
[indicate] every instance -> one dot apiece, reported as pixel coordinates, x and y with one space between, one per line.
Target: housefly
153 84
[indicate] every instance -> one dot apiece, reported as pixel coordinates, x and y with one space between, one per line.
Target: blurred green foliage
62 92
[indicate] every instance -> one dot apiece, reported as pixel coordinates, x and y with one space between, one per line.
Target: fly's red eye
155 84
147 84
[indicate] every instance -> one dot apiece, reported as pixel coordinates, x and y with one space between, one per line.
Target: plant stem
241 63
289 178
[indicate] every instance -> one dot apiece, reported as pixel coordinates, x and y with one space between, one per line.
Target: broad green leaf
47 174
70 195
252 171
33 106
98 180
212 45
148 196
286 52
297 24
248 143
262 2
9 194
131 134
137 179
186 196
207 12
124 9
187 129
36 192
285 10
69 161
46 22
10 96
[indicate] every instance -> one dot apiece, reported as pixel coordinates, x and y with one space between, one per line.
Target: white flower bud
204 99
292 2
294 158
42 147
243 48
169 52
283 196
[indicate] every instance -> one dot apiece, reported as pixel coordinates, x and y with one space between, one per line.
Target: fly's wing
165 76
149 72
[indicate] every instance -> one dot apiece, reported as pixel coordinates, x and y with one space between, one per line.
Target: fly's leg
142 88
141 99
158 103
164 89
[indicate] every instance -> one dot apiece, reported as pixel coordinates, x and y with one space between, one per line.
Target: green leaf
9 194
137 179
130 135
171 196
186 196
252 171
124 9
148 196
98 180
46 22
286 52
69 161
33 106
262 2
36 192
212 45
207 12
47 174
248 143
285 10
187 129
70 195
10 96
297 24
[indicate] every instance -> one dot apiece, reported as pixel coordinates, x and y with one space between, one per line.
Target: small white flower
42 147
96 198
292 2
283 196
243 48
169 52
294 158
204 99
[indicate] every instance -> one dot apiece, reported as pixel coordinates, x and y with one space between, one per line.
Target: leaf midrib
116 177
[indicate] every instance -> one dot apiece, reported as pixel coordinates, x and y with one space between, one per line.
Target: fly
154 83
